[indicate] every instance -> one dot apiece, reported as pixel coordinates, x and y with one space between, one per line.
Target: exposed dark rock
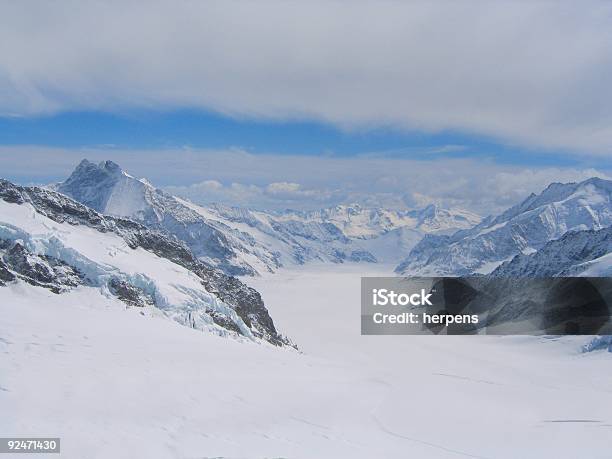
224 322
41 271
244 300
5 274
129 294
31 267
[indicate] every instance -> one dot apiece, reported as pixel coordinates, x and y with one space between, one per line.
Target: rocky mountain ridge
522 229
49 240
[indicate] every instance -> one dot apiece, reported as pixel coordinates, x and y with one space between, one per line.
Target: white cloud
275 195
271 181
290 191
212 185
483 188
532 73
279 188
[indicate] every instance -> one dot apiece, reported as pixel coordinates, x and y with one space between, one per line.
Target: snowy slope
48 240
524 228
599 267
112 383
585 253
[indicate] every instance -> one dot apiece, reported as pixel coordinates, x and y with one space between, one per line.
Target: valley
114 383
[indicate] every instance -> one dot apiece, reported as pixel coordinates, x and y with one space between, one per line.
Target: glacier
50 241
102 319
114 383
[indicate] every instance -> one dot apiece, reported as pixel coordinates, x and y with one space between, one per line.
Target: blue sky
198 129
278 103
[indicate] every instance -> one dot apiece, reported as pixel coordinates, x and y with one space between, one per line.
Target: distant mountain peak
243 241
429 211
598 182
523 228
87 167
111 166
107 188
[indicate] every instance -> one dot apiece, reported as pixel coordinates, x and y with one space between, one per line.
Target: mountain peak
102 186
555 192
525 227
111 167
89 169
85 163
598 182
555 189
84 167
429 211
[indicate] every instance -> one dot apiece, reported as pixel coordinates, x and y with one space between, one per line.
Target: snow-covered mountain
522 229
576 253
50 241
105 187
341 233
292 241
566 303
247 242
360 222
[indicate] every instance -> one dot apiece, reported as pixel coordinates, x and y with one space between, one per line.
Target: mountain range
576 253
428 241
520 231
127 242
243 241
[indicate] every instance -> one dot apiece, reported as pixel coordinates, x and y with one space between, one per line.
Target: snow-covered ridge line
106 188
41 228
576 253
345 233
522 229
249 242
357 221
586 253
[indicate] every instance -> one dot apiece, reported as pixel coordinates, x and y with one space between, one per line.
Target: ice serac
50 241
105 187
522 229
